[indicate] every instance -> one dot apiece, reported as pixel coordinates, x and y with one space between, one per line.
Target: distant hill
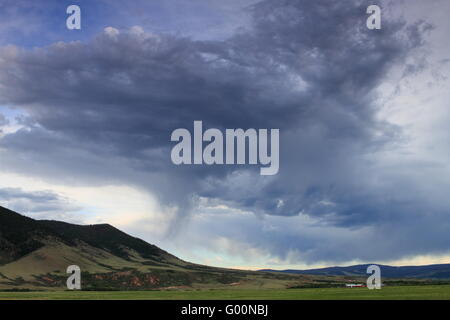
435 271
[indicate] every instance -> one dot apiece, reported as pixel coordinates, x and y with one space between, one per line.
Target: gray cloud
38 204
3 120
102 112
293 240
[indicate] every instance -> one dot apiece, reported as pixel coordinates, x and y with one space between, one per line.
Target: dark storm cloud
293 240
103 111
123 93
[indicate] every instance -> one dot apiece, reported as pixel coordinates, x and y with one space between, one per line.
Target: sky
86 118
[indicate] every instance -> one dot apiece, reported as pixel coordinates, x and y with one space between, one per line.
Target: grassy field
440 292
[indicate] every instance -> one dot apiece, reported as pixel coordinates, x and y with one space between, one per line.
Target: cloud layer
37 203
101 112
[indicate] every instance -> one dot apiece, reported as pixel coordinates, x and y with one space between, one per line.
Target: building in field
354 285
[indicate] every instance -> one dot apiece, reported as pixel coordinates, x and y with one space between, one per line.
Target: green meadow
425 292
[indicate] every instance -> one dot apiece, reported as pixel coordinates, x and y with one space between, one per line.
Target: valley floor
425 292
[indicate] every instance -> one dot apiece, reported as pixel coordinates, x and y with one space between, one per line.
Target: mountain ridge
432 271
106 236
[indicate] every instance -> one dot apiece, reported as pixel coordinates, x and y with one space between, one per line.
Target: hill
37 253
435 271
34 254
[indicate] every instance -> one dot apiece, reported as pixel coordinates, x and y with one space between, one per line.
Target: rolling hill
38 252
435 271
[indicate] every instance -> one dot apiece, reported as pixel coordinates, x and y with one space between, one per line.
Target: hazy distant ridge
434 271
